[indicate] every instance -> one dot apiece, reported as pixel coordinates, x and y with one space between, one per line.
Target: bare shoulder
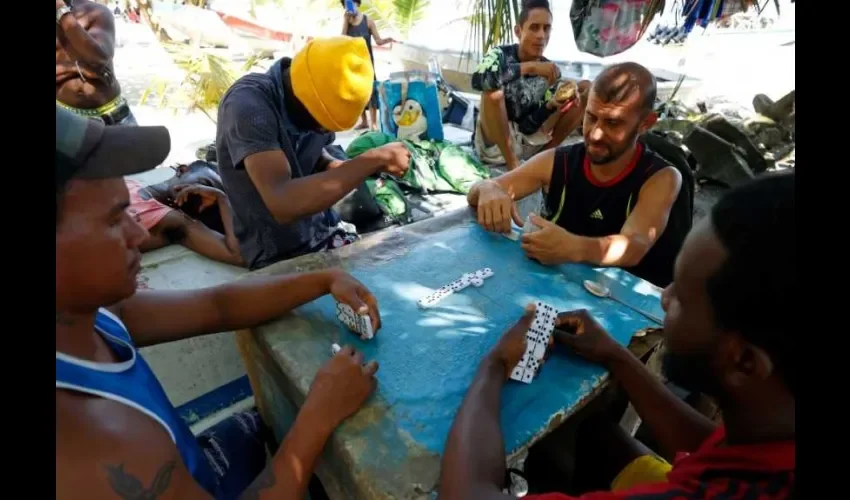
110 450
666 179
93 8
95 14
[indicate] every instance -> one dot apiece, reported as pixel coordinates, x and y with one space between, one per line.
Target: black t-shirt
525 95
252 118
590 208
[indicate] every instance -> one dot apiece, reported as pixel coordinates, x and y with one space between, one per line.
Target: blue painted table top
429 357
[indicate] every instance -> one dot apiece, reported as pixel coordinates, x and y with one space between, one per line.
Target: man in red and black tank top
610 201
597 209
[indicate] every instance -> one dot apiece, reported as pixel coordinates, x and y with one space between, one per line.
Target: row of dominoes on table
475 279
537 337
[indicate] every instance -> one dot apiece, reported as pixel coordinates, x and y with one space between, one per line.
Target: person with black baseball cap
117 434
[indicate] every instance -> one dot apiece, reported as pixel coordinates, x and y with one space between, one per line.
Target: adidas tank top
131 382
583 205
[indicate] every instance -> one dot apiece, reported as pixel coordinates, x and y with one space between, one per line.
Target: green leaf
207 77
491 23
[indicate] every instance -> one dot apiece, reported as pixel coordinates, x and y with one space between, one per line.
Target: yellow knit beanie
332 77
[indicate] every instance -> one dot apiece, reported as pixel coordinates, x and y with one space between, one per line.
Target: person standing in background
85 77
355 23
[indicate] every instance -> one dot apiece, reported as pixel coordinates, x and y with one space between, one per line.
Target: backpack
684 162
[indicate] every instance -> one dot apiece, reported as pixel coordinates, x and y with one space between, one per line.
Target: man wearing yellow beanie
272 131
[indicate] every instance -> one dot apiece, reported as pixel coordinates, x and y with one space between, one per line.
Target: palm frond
207 78
407 12
653 8
491 23
380 11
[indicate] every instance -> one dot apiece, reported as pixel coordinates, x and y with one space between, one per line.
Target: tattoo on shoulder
129 487
264 481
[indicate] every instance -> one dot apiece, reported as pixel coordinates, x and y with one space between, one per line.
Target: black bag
685 163
359 206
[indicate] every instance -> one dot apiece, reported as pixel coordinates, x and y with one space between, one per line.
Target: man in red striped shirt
726 337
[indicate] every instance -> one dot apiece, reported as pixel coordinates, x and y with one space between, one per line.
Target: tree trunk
146 11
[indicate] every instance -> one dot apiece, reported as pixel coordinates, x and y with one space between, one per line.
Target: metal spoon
602 291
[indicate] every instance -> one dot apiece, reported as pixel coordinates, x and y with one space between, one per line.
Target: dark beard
691 371
615 155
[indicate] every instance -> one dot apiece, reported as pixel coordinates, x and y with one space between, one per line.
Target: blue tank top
131 382
362 30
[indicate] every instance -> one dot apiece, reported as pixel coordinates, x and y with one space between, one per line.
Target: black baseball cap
88 149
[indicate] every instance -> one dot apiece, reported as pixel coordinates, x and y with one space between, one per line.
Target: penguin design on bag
410 120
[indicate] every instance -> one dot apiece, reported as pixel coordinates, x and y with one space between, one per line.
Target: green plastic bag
367 141
390 199
459 168
435 166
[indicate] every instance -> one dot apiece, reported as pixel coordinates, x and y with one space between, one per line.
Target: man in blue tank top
610 201
117 435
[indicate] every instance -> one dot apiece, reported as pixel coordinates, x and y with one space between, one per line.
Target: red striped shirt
753 472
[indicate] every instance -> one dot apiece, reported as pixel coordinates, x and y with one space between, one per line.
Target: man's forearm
82 46
226 212
676 426
316 193
155 317
248 303
289 472
615 250
474 461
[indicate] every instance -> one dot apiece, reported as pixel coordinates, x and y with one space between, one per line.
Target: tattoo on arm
264 481
129 487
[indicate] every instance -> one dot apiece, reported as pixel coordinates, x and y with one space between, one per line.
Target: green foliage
491 23
407 12
395 15
208 76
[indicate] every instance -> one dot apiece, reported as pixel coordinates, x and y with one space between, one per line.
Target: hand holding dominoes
517 232
512 345
547 242
356 306
361 324
529 226
475 279
538 336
